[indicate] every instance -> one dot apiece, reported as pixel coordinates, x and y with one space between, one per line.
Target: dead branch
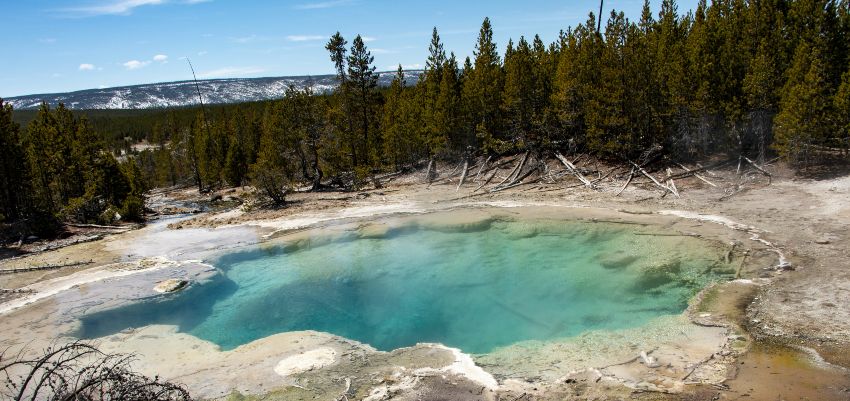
752 163
487 181
741 265
482 168
78 371
604 176
631 175
695 174
697 365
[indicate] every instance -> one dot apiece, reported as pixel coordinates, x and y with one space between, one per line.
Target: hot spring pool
474 286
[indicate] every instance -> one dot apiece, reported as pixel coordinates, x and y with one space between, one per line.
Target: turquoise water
477 288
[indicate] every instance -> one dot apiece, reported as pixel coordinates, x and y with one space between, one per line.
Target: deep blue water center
477 288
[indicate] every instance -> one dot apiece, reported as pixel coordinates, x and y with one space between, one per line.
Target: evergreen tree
518 100
804 106
482 93
429 92
392 126
13 168
607 124
341 111
841 104
363 81
643 96
448 113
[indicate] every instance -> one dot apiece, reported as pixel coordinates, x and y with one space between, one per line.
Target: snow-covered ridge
183 93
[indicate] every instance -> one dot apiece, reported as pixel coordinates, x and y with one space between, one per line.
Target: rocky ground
791 312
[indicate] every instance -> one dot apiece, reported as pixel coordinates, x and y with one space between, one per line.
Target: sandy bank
786 304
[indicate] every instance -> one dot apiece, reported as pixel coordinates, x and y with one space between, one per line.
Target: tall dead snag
428 171
572 169
672 184
463 175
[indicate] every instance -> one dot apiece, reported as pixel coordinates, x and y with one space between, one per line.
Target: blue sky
58 46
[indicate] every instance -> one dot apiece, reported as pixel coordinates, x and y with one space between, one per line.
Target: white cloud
368 39
118 7
381 51
304 38
48 41
160 58
323 4
86 67
135 64
228 72
112 7
202 52
247 39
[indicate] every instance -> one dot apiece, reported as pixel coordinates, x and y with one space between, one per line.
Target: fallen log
96 226
572 168
669 235
664 187
519 169
43 267
514 171
516 184
702 168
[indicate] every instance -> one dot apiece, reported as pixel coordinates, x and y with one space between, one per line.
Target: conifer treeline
738 76
59 169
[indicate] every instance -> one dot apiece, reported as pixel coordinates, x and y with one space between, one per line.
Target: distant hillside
183 93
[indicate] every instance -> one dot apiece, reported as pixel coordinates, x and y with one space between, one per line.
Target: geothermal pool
477 286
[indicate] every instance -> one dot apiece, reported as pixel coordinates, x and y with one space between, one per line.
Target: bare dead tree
80 372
